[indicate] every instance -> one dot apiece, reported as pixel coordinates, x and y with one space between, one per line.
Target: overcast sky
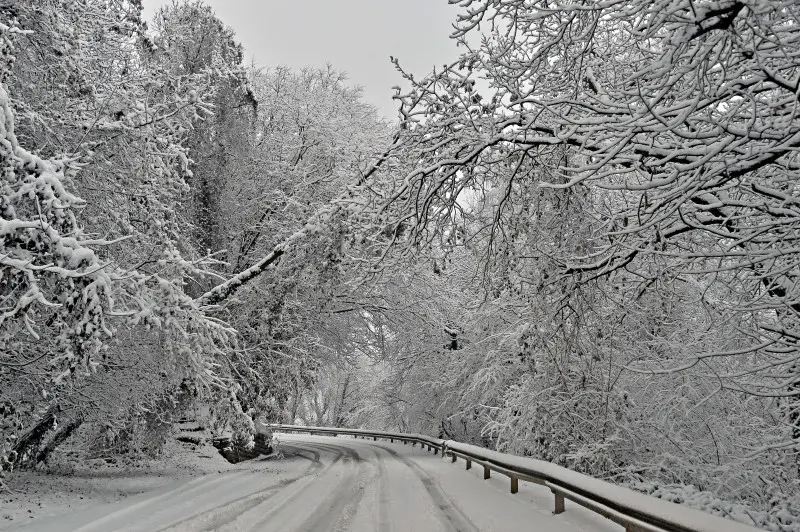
355 36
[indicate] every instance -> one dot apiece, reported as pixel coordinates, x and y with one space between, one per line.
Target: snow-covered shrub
781 516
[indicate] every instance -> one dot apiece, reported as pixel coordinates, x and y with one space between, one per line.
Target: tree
674 116
631 173
313 137
190 40
75 272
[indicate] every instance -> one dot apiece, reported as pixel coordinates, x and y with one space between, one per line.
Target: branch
221 292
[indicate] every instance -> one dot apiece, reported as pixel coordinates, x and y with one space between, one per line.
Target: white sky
355 36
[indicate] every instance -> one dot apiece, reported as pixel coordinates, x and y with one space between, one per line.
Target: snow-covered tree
626 171
313 138
93 114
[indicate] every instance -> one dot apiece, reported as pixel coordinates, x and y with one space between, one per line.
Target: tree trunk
63 433
31 440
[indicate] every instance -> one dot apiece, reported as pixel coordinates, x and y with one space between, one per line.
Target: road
338 484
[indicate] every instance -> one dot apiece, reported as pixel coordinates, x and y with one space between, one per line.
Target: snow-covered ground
320 484
33 496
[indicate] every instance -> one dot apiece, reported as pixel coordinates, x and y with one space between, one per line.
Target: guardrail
433 444
634 511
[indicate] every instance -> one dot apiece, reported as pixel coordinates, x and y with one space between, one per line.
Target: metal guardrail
634 511
433 444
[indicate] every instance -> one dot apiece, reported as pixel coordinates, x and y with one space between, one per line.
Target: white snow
687 518
328 483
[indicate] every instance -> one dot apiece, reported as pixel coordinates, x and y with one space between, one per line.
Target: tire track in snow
243 519
332 509
451 516
218 516
315 456
336 512
383 523
199 483
214 518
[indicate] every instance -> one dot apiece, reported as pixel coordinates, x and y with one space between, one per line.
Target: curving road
337 484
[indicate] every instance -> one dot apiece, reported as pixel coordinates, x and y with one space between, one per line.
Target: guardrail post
391 440
487 473
435 450
559 503
453 457
374 438
514 484
469 464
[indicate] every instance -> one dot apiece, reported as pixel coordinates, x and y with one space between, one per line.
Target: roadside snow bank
47 493
782 517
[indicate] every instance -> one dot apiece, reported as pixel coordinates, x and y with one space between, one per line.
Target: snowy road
327 483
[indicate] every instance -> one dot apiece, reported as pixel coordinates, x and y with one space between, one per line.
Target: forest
579 241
